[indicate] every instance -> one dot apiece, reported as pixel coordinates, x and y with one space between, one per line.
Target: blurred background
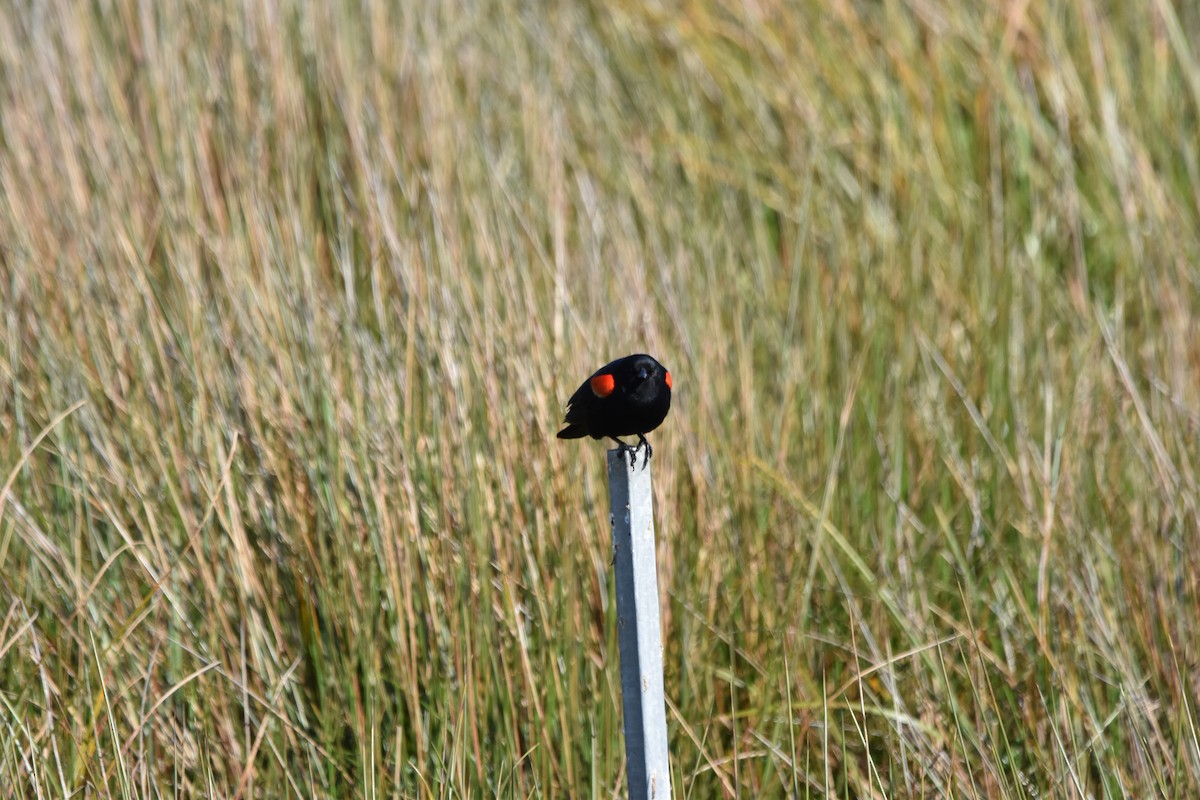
292 295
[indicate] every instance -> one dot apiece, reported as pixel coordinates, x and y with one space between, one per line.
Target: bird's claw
632 450
627 450
649 450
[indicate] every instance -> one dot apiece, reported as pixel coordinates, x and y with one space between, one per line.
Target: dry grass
291 294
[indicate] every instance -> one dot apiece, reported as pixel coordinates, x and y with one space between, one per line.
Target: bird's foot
644 442
627 450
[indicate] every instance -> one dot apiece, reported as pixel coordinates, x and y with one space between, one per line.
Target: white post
639 632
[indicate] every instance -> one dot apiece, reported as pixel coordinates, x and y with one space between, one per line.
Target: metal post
639 632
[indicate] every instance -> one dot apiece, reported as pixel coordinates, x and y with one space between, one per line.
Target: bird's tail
575 431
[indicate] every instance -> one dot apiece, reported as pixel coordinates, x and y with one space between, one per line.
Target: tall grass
292 294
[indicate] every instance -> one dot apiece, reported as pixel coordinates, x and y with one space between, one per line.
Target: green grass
291 295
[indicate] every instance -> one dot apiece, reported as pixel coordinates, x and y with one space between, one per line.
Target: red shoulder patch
667 378
603 385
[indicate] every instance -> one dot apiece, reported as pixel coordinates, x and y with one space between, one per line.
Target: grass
291 296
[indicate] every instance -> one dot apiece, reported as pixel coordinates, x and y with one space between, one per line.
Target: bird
627 397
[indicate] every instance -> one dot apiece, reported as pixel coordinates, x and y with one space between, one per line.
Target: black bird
628 397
